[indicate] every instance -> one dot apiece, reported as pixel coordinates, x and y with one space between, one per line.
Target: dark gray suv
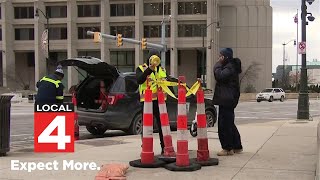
124 110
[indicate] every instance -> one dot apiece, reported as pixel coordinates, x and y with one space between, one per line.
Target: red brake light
112 99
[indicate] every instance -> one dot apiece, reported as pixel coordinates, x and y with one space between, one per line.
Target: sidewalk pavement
272 150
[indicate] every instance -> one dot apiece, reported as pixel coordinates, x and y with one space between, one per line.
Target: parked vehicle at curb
123 110
271 94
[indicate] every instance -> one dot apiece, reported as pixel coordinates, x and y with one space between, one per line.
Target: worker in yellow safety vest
155 72
50 88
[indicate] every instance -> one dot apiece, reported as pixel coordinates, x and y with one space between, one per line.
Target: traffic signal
119 40
97 37
144 43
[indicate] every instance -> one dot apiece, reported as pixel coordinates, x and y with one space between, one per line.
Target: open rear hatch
92 66
89 93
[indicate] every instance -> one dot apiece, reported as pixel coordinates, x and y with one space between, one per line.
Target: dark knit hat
227 52
59 71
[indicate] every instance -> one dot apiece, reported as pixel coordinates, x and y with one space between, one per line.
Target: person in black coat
50 88
226 95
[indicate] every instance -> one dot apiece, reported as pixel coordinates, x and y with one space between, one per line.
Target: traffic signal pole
98 38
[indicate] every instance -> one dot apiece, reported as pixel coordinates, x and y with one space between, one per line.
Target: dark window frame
190 6
82 31
29 12
61 13
17 34
117 10
114 30
159 6
89 10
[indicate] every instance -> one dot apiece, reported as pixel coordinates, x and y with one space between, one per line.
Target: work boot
238 151
225 153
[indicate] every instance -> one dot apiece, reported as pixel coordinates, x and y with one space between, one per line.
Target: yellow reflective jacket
159 74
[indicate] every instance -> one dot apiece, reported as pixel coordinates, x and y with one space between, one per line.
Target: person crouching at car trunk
154 72
226 95
50 88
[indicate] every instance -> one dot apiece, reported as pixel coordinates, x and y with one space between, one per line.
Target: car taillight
112 99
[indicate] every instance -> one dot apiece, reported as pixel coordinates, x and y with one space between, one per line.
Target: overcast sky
284 30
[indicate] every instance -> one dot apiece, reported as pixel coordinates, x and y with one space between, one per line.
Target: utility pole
303 101
284 69
163 38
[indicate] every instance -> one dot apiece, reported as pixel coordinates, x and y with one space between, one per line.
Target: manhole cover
101 143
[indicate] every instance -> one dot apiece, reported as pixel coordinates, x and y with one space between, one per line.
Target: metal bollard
5 108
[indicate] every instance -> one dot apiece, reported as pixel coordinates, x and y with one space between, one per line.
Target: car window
277 90
267 90
118 86
131 85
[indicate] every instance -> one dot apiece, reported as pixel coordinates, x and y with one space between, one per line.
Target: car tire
211 118
282 98
271 99
136 125
96 130
258 100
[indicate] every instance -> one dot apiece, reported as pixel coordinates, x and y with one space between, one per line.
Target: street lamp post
203 51
48 44
284 65
303 101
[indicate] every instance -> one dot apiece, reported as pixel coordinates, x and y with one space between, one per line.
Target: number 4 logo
61 139
54 131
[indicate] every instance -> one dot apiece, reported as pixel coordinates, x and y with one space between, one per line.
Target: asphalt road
246 112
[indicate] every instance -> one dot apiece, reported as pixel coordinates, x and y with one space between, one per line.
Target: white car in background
271 94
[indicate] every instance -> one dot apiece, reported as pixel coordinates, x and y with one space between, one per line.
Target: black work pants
228 133
157 120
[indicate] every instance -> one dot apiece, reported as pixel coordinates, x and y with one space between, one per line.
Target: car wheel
96 130
282 98
271 99
258 100
136 125
211 118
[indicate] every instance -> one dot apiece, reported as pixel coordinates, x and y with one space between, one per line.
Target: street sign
44 42
302 47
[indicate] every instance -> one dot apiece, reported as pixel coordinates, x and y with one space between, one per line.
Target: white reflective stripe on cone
147 108
201 108
202 133
162 108
182 134
166 130
147 131
182 109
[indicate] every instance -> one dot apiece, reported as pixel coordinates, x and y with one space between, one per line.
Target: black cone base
209 162
167 159
191 167
156 164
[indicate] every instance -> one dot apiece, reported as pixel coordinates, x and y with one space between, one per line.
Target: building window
24 34
154 31
58 33
89 10
23 12
82 32
192 7
122 9
151 9
123 60
56 11
191 30
0 34
30 59
126 31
